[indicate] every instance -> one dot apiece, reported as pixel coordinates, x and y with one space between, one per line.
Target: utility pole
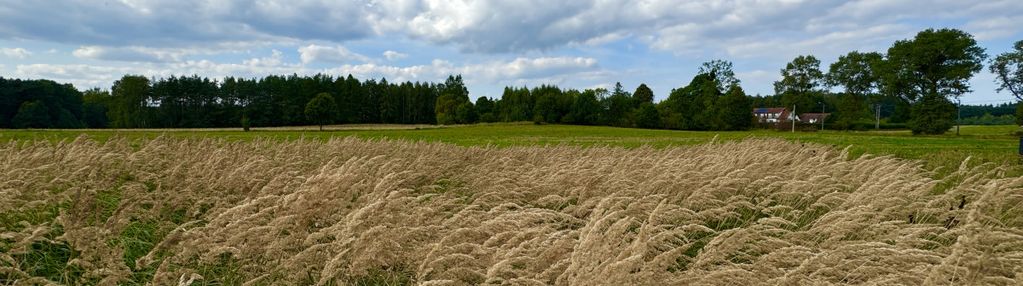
792 117
877 115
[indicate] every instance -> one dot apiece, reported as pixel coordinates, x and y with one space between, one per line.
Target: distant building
773 115
813 118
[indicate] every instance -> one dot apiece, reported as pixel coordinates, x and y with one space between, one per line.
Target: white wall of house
774 117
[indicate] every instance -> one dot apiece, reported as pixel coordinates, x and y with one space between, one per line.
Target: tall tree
131 96
321 110
486 109
801 82
617 107
721 72
585 109
1008 70
447 108
857 73
692 107
939 62
734 109
453 105
94 108
642 95
646 116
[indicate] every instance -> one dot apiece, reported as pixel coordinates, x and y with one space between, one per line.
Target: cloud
125 54
518 71
80 75
825 45
17 53
393 56
169 23
995 27
329 54
681 27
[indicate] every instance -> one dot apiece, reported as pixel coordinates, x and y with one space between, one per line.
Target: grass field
350 211
537 205
995 144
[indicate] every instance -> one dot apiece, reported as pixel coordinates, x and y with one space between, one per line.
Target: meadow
509 204
997 144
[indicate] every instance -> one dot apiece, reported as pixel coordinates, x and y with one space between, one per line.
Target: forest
915 85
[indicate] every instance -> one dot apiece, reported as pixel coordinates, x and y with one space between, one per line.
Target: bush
864 125
933 114
989 119
1019 114
245 123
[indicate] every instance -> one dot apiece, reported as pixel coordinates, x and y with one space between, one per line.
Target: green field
995 144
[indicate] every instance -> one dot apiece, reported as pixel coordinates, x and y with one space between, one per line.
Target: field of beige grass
348 211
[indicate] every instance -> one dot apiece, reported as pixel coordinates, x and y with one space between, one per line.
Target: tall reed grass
358 212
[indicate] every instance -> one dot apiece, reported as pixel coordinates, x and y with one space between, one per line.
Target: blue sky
493 44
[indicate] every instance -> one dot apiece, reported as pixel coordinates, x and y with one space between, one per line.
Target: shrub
933 114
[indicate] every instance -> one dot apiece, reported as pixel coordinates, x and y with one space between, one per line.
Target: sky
492 44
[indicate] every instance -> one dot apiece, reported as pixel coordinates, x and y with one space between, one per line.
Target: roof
769 110
814 116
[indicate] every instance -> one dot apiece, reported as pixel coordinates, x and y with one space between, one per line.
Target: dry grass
356 212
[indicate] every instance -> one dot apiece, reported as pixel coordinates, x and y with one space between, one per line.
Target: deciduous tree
321 110
1008 70
801 82
856 73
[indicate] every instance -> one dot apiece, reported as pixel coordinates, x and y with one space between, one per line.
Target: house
813 118
773 115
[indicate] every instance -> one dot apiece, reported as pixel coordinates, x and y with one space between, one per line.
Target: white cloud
17 53
520 70
517 71
393 56
161 54
335 54
484 26
825 45
127 54
82 76
996 27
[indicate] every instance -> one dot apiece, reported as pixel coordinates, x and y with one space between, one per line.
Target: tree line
916 81
197 102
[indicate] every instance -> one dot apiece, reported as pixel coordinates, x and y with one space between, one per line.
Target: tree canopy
39 104
801 83
1008 70
321 110
939 62
856 72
